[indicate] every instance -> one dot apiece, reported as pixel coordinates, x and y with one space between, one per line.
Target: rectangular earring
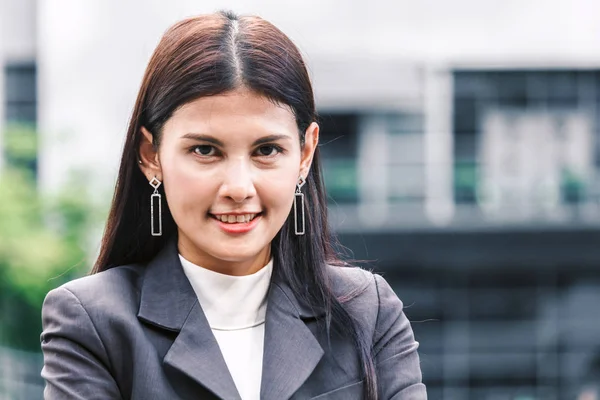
154 218
156 198
299 213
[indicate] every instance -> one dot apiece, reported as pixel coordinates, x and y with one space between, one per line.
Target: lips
247 222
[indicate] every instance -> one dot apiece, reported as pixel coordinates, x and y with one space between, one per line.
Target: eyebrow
210 139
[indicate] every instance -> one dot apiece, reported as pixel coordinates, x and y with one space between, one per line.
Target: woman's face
229 165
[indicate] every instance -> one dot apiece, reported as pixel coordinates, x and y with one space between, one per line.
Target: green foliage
43 241
20 141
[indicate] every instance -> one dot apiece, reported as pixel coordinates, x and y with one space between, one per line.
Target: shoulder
358 281
346 280
366 295
113 289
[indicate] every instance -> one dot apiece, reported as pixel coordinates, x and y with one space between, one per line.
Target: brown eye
204 150
268 150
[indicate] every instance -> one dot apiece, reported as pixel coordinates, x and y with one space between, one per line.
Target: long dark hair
209 55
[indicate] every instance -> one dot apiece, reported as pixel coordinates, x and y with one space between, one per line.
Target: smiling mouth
235 218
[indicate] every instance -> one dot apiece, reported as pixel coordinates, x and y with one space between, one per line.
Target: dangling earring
299 207
155 198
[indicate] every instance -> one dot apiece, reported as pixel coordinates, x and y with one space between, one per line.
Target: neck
233 266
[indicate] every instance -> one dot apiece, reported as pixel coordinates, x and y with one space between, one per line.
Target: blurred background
461 152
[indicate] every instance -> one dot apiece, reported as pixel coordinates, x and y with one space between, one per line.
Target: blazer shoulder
356 289
107 289
350 279
367 295
359 281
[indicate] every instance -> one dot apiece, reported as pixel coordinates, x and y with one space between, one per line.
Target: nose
238 183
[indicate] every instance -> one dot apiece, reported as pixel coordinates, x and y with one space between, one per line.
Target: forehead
239 111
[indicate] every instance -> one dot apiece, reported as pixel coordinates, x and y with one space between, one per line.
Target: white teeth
236 218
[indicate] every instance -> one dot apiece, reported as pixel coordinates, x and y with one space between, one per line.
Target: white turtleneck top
235 307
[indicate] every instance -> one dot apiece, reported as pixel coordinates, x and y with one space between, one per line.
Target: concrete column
372 170
439 146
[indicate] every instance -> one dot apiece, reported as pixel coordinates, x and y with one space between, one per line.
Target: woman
216 276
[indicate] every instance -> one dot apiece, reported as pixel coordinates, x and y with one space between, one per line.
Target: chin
240 255
227 249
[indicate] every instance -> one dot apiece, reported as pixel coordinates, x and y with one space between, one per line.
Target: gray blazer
138 332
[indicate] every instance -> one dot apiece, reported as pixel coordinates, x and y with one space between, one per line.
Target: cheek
276 191
174 167
185 188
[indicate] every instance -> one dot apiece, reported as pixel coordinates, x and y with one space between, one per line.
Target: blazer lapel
168 301
291 351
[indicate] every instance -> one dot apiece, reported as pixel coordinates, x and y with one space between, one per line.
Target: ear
311 140
150 163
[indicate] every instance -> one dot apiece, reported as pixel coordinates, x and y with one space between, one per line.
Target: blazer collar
167 296
167 300
291 351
